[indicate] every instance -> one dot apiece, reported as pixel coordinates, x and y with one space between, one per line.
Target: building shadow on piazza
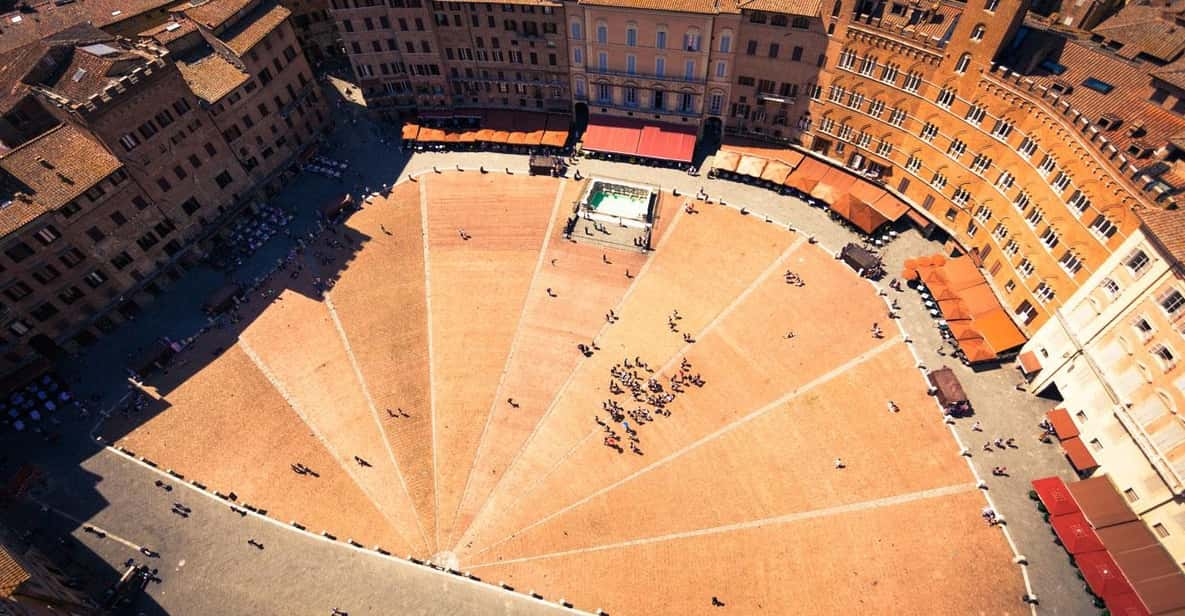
67 470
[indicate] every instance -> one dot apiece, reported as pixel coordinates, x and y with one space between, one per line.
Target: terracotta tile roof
1168 227
527 2
45 18
1146 27
809 8
214 14
211 76
169 31
56 167
17 65
705 7
937 26
88 72
1127 99
12 574
254 27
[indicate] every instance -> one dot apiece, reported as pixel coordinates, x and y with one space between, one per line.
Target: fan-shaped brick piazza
411 361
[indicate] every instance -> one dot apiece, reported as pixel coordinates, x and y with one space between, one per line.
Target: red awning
612 135
1062 424
1076 533
1102 574
1126 604
1079 455
1055 496
1029 362
667 142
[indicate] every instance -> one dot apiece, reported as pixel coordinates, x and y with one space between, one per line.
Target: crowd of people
648 399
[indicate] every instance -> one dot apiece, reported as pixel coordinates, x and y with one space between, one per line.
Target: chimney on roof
1136 130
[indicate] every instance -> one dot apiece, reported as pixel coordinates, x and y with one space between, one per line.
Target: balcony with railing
592 70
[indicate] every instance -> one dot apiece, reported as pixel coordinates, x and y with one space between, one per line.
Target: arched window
577 31
660 37
691 40
602 33
631 35
977 32
963 63
835 9
726 42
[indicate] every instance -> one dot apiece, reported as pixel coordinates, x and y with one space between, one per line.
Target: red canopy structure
1062 424
1077 535
1102 573
1080 457
667 142
1055 496
612 135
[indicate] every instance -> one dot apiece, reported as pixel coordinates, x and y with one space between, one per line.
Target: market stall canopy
959 280
555 132
949 389
859 259
1062 424
858 212
667 142
1102 573
834 183
776 171
1055 496
612 135
806 175
726 160
751 166
410 130
1080 457
1076 533
1029 362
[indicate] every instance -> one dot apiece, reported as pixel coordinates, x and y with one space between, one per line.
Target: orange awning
726 160
833 184
776 171
500 136
1062 424
1029 362
962 330
485 134
555 133
890 207
954 309
976 350
751 166
435 135
1078 454
999 330
806 175
410 130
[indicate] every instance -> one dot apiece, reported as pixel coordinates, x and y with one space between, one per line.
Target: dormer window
1061 87
1139 149
1109 121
